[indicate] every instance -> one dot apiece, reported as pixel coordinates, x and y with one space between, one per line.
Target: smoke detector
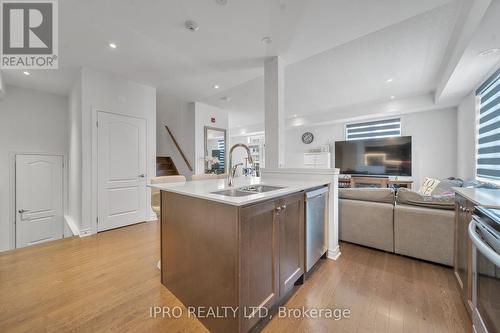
191 25
221 2
266 40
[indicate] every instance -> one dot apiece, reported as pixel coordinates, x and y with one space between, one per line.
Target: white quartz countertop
489 198
202 189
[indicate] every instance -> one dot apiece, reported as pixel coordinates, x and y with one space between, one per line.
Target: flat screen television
374 157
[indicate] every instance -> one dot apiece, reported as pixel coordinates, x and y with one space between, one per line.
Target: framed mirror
215 150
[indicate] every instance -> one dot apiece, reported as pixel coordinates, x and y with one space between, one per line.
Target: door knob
142 175
22 211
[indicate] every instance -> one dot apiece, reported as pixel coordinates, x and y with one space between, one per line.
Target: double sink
247 190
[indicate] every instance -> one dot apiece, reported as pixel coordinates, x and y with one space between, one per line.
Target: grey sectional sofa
411 224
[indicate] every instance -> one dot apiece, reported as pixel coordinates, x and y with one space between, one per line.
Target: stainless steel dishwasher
316 225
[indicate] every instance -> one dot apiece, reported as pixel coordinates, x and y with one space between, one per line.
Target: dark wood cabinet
259 286
291 241
219 255
463 249
272 253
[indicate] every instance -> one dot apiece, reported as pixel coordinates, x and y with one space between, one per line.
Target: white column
274 100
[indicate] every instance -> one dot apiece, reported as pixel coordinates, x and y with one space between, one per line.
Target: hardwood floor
109 282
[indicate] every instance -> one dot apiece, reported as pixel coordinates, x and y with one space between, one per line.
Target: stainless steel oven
484 231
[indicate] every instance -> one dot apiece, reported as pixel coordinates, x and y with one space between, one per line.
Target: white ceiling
155 48
410 52
338 52
472 69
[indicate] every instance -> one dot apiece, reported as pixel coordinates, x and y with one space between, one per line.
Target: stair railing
179 148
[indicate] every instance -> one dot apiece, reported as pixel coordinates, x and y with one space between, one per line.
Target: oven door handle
487 251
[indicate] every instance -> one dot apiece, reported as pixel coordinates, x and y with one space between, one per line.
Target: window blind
221 146
373 129
488 136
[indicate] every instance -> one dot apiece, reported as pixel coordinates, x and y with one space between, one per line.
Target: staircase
165 166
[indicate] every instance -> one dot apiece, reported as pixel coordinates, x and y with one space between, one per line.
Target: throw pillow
428 186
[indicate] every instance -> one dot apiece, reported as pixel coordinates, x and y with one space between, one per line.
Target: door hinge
97 220
96 124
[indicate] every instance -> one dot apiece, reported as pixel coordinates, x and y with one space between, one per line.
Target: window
488 135
373 129
221 147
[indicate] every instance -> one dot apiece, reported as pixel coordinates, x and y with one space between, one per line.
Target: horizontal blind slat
371 135
488 135
374 129
490 105
373 123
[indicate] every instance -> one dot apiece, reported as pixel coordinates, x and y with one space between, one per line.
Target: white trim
94 169
12 188
72 225
333 254
152 217
85 232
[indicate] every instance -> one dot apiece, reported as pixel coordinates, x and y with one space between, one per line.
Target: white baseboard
85 232
152 217
333 254
72 225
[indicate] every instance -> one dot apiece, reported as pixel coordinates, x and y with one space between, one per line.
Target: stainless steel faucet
232 169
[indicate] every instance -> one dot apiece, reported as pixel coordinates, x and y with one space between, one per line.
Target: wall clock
307 137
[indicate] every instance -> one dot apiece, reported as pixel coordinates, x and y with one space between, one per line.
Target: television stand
373 181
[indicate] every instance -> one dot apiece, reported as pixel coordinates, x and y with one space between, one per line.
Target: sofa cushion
424 233
445 186
367 223
408 197
385 195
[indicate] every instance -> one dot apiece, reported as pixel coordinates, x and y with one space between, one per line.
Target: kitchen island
231 258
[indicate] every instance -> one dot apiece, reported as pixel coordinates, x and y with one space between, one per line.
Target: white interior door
39 212
121 142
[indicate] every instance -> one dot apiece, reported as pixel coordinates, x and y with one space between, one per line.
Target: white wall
110 93
74 214
178 115
203 115
434 142
434 145
187 121
466 137
31 122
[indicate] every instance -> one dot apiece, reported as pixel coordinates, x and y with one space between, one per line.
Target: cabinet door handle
278 209
283 207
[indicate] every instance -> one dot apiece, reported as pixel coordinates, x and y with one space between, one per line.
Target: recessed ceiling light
295 115
112 45
226 98
266 40
487 52
191 25
390 80
216 86
26 73
392 97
